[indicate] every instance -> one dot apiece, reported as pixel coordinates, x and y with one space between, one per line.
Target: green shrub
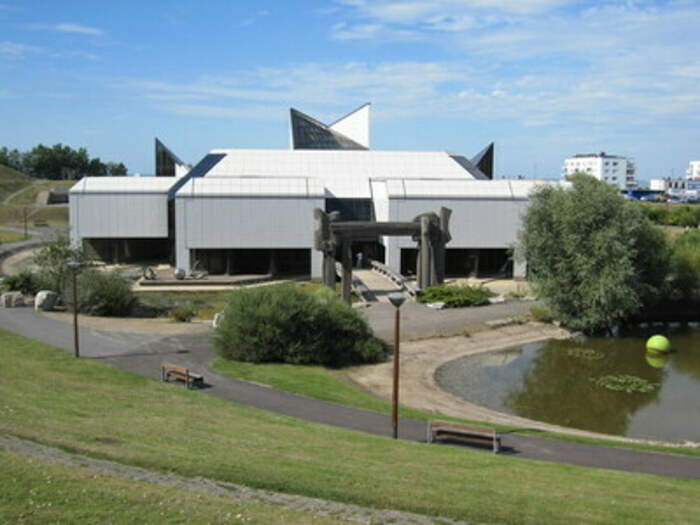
105 294
183 314
684 216
654 212
27 282
540 315
685 265
284 324
456 296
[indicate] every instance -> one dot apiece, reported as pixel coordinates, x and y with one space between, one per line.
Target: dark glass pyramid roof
166 161
309 133
484 161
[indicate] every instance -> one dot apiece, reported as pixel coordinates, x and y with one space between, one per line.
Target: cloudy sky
543 79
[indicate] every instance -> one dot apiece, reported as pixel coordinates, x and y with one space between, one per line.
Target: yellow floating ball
658 343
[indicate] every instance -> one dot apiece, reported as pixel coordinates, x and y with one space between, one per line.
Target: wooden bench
183 374
41 223
466 433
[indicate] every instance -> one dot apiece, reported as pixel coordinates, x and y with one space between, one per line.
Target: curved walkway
143 353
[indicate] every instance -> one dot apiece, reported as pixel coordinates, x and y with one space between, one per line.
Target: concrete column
316 264
424 270
182 252
346 263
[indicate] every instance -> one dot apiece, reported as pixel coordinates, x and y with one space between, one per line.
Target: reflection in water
657 359
552 382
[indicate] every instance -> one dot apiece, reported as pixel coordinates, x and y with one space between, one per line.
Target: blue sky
544 79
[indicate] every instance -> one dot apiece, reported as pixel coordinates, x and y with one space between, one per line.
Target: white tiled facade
615 170
693 171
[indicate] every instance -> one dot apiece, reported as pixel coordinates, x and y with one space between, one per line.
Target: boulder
45 300
12 300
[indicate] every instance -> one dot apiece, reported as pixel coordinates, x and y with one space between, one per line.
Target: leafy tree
58 162
592 256
106 294
52 260
685 265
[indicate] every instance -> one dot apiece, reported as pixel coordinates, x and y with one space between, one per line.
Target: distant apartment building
693 171
612 169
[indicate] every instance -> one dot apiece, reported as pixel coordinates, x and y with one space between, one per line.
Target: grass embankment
50 397
35 491
332 385
55 215
312 381
205 303
8 236
29 196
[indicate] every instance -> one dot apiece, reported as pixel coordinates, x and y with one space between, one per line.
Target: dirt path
210 486
421 359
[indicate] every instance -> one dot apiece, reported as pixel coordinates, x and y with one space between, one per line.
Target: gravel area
342 511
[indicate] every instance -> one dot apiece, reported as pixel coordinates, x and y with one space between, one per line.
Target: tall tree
58 162
592 256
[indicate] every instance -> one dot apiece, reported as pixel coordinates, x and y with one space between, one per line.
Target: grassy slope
312 381
331 385
6 236
56 215
10 174
28 197
38 492
50 397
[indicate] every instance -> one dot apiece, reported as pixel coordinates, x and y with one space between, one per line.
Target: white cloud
616 96
69 28
17 50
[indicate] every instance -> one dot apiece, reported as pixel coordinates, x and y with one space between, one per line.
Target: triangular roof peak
355 125
348 133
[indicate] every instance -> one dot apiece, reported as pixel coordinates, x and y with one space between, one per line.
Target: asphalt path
144 353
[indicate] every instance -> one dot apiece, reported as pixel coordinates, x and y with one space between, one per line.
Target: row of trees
58 162
597 260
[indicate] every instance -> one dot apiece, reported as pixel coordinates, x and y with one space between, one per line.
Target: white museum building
251 211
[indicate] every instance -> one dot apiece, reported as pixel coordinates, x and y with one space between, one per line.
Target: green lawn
28 197
56 215
206 303
50 397
35 491
312 381
332 385
8 236
10 186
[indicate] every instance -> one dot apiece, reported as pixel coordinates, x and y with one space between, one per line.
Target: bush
456 296
27 282
685 264
540 315
103 294
284 324
183 314
684 216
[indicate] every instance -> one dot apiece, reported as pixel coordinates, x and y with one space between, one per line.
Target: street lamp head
74 265
397 299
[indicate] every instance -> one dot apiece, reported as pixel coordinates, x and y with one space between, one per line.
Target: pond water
559 382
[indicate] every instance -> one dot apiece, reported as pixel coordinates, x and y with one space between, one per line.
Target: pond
569 383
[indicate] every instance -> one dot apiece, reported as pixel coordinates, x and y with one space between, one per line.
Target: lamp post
397 299
74 267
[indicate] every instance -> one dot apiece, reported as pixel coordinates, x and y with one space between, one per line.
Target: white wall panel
246 223
119 215
474 223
